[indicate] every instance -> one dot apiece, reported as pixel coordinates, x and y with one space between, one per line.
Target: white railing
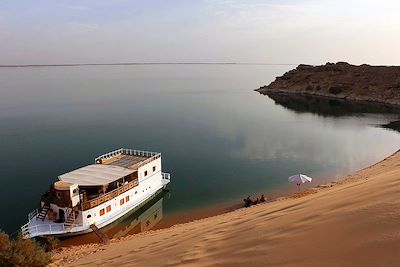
46 229
142 153
42 229
126 151
166 175
32 214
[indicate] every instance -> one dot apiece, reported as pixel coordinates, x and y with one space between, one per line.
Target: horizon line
138 63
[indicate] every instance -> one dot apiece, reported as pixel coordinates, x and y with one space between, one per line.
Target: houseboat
96 195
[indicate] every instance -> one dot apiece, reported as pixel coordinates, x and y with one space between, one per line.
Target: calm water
220 140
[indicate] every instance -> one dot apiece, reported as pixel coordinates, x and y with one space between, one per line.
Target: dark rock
341 80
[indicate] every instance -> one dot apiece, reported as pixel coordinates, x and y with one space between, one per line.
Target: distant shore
353 221
138 63
379 84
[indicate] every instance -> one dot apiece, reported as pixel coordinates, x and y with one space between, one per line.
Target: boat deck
127 161
127 158
39 227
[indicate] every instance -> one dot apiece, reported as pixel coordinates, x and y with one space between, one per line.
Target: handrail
118 191
46 229
32 214
126 151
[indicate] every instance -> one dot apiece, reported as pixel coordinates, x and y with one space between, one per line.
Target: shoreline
187 216
77 253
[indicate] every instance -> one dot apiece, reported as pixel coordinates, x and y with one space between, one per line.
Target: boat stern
166 179
38 227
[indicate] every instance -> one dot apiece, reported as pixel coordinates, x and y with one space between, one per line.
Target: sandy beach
351 222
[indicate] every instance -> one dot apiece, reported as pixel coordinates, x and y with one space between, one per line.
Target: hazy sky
288 31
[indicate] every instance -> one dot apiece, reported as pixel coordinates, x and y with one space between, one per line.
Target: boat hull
115 218
37 228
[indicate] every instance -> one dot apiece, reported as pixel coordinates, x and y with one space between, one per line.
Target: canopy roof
96 174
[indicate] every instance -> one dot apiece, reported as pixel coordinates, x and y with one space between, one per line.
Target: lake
220 140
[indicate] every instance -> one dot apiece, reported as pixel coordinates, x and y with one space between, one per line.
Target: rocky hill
341 80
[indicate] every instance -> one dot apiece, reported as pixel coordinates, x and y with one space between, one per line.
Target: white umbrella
299 179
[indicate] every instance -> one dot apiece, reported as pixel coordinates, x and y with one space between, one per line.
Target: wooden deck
126 161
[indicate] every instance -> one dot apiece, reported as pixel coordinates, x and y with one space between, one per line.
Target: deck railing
126 151
32 214
46 229
108 196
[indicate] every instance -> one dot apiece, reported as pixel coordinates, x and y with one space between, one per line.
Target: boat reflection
139 220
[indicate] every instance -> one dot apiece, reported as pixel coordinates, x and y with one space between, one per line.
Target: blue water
220 140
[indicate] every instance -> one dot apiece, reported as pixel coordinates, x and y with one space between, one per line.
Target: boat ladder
43 212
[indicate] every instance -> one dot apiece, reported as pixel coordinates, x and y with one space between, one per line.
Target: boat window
135 192
145 173
154 168
89 216
101 212
108 208
127 198
121 201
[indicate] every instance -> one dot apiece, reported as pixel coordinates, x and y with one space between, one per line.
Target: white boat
96 195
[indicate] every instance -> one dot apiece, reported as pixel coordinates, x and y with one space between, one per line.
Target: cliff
342 81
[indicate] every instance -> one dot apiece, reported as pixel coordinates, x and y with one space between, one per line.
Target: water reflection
393 125
329 107
138 220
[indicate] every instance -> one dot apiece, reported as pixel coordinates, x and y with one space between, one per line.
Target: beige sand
356 222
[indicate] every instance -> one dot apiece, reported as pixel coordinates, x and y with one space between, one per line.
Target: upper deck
127 158
121 164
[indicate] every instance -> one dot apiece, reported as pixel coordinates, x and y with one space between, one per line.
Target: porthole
89 216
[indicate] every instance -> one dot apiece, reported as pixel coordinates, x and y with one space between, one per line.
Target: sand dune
356 222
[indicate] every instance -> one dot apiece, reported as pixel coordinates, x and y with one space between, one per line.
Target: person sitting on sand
247 202
262 199
255 202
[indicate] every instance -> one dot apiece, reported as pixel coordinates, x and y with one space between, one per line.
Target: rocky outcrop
341 80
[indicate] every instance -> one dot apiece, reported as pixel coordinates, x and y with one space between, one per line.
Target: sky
250 31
